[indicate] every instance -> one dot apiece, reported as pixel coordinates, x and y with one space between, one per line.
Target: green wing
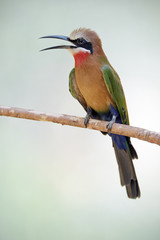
74 90
115 89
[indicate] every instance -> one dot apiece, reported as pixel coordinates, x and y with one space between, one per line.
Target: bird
97 87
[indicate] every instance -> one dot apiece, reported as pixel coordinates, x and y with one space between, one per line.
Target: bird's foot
110 124
88 116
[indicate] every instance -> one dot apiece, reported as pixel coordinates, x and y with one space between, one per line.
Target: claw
110 124
88 116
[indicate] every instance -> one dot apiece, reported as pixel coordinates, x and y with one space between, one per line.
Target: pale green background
59 182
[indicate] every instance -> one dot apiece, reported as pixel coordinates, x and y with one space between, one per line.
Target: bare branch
121 129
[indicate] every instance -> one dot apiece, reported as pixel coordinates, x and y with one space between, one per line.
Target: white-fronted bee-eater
96 85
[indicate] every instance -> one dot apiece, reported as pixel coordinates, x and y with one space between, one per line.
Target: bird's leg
88 116
110 124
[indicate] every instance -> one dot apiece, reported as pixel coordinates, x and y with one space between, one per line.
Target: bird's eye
80 41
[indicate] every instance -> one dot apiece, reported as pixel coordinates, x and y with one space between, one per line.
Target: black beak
60 46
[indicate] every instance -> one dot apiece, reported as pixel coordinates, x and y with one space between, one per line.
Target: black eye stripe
81 42
88 46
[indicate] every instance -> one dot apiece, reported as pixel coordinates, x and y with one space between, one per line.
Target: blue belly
119 140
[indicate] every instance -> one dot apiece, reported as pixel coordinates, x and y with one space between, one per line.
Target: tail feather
126 170
132 151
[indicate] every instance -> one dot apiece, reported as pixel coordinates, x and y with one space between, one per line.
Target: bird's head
85 43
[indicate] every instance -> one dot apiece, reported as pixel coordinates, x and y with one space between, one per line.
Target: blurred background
60 182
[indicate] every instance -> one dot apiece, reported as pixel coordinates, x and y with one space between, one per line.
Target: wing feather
115 89
74 90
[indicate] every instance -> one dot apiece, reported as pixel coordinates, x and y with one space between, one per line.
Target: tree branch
121 129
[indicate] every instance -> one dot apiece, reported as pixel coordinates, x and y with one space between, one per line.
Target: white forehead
79 33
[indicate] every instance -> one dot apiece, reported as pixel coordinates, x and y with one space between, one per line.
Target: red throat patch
80 57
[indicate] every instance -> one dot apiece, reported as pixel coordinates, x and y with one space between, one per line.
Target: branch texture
121 129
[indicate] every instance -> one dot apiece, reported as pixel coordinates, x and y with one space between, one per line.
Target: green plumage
115 89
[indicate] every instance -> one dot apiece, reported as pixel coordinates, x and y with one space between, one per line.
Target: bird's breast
92 87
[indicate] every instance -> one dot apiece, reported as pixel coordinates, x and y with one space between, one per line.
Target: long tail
126 170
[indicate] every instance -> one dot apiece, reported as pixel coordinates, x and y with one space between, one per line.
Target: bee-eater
96 85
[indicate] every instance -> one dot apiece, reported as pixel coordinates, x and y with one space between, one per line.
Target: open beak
60 46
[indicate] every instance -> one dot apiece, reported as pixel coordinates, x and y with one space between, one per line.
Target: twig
121 129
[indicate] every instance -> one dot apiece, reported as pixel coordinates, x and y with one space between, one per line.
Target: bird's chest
92 86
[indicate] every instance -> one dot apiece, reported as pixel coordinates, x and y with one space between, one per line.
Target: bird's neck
85 58
80 57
